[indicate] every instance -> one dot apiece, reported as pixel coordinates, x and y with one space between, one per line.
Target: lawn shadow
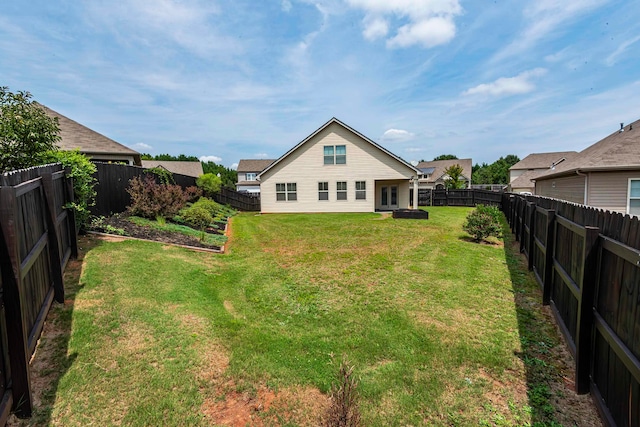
546 360
51 360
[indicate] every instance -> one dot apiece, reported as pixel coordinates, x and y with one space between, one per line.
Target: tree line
228 176
494 173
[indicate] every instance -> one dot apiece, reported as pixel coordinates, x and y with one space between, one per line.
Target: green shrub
81 170
483 222
163 175
198 217
209 183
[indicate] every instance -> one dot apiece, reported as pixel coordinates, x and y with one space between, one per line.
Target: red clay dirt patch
265 407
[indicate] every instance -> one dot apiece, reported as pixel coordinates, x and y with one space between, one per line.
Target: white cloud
542 18
505 86
234 166
214 159
286 5
429 33
430 22
396 135
262 156
613 58
375 28
141 146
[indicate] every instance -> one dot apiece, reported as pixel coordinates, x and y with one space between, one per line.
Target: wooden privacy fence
113 181
37 238
587 262
457 197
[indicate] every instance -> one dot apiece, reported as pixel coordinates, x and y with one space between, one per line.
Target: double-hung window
341 190
286 192
323 191
335 154
633 202
250 176
361 190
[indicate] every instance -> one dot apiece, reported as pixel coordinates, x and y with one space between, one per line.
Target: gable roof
438 168
543 160
188 168
74 135
350 129
524 180
618 151
253 165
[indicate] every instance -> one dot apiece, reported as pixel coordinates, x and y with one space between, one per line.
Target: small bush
483 222
198 217
151 200
343 410
209 183
81 170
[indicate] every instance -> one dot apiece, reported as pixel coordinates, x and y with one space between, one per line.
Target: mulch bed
149 233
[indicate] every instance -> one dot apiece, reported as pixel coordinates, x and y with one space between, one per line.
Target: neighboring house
522 173
337 169
248 170
180 167
605 175
433 175
94 145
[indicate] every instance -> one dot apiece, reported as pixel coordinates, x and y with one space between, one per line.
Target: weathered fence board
113 181
588 264
37 238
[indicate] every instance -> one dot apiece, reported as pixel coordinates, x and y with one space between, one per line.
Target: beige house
187 168
433 174
605 175
248 171
94 145
522 173
337 169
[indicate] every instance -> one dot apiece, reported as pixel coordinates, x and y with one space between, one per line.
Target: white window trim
345 191
335 155
286 192
629 194
355 185
323 191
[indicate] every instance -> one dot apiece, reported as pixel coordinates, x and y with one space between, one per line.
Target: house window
361 190
633 205
335 154
341 190
323 191
250 176
286 192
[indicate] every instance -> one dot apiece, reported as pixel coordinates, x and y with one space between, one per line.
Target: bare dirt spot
265 407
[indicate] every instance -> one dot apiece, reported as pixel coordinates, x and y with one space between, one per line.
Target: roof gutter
586 183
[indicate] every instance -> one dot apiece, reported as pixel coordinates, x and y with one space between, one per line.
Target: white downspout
586 183
415 193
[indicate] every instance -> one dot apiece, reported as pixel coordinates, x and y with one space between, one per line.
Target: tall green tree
453 181
446 157
495 173
27 134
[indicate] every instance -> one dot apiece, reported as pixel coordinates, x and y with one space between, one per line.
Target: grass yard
440 330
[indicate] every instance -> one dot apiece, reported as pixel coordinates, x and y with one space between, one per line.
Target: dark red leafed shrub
193 193
150 199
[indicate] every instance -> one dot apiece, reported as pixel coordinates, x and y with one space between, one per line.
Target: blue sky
250 79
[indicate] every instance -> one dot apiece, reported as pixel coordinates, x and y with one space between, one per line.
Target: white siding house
337 169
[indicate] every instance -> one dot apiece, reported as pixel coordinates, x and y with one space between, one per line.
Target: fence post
532 231
71 214
549 245
585 309
16 334
52 232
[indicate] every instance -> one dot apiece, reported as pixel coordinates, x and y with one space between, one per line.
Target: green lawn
440 330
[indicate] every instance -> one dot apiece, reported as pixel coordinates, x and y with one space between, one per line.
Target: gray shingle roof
74 135
439 167
618 151
179 167
253 165
543 160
